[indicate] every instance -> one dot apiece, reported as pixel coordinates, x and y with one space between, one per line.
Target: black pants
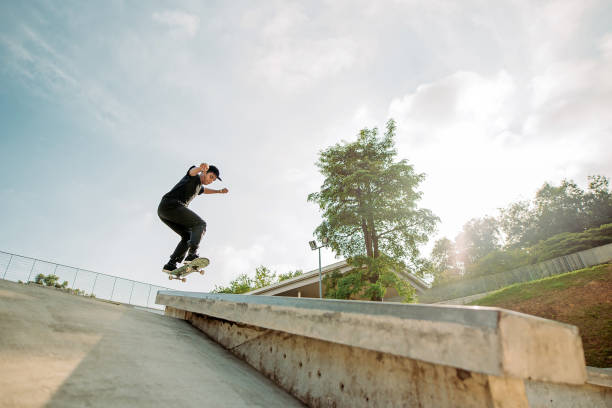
184 222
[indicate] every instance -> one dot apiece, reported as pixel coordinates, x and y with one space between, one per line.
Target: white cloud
293 65
572 98
463 106
179 21
486 141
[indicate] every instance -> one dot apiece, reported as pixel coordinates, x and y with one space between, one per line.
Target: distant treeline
263 277
559 220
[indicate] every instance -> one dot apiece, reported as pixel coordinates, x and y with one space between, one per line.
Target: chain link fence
25 269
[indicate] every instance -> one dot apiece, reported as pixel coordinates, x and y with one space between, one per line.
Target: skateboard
197 264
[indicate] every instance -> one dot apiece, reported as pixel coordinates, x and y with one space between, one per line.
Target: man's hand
224 191
195 170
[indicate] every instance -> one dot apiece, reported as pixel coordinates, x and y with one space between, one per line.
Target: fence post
75 276
113 291
149 297
94 285
132 291
31 270
7 266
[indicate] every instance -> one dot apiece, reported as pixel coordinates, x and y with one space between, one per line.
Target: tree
369 279
479 237
263 277
555 210
517 223
289 275
369 201
598 202
443 261
558 209
244 283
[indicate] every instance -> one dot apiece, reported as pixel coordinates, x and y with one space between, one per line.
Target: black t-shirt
187 188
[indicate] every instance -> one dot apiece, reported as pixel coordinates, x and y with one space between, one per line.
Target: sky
104 106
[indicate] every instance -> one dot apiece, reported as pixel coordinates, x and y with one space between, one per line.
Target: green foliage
53 281
50 280
559 220
442 264
289 275
263 277
369 279
558 245
369 204
479 237
243 283
538 288
369 200
567 243
555 210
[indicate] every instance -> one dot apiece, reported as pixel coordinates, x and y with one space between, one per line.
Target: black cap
215 171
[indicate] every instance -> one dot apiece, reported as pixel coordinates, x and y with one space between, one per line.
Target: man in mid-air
174 213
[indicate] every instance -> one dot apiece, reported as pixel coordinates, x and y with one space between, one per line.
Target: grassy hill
582 298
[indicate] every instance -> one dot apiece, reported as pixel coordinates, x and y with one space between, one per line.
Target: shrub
50 280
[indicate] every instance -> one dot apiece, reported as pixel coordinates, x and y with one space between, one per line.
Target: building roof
311 277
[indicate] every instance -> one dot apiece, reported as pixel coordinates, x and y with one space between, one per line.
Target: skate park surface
58 349
63 350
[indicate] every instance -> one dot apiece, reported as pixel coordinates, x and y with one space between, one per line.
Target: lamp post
314 247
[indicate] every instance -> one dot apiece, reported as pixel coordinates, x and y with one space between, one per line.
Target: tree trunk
367 237
375 251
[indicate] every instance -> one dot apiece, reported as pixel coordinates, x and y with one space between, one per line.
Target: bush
568 243
50 280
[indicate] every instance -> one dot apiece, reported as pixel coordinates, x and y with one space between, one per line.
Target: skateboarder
174 213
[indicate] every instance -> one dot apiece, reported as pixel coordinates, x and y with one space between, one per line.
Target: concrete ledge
481 340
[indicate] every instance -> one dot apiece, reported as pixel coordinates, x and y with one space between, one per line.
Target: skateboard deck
197 265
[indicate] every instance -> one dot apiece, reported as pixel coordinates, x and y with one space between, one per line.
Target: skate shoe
190 257
169 267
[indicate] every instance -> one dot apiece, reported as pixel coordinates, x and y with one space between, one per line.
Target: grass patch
581 298
539 288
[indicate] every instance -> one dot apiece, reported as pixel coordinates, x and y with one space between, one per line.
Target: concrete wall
331 353
489 283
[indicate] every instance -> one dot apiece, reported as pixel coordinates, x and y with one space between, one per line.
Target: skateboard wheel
201 272
184 279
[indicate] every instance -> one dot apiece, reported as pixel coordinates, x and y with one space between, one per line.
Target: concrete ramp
62 350
332 353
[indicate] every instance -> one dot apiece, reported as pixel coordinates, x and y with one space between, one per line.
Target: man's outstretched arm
211 191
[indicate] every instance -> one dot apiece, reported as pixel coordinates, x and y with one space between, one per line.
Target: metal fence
22 268
487 283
